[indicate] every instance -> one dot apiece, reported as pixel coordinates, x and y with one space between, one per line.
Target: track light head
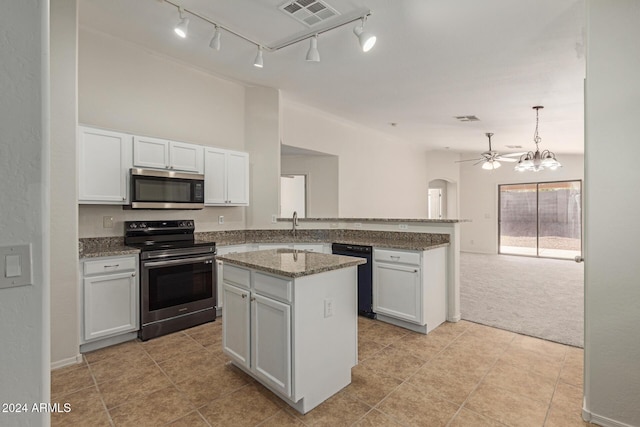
312 54
182 28
258 62
215 40
366 39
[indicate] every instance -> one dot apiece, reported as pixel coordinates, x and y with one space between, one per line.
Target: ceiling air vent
467 118
309 12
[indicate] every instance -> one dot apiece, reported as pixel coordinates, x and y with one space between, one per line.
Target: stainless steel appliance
159 189
365 275
177 276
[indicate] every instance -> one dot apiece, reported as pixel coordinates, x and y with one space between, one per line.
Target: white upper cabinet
226 177
104 160
159 153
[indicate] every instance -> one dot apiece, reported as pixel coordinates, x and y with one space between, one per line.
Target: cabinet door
215 177
236 324
237 178
185 157
271 342
110 305
104 161
150 152
397 292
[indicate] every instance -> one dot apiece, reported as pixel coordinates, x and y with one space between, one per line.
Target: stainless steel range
177 276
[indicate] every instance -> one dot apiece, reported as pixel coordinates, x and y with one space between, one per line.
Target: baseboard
602 421
66 362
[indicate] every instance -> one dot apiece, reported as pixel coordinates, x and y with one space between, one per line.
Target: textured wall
24 311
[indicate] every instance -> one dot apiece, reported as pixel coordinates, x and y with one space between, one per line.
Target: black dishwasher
365 275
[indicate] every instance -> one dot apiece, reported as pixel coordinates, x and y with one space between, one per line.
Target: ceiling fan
491 159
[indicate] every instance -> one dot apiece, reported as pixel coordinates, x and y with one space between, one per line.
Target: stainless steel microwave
158 189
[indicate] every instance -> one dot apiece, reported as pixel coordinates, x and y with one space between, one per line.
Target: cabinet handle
112 266
394 257
415 271
133 274
252 299
244 295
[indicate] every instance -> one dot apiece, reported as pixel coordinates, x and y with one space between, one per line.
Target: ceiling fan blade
468 160
481 161
513 154
506 159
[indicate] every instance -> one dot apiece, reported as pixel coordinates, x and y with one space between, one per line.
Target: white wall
24 210
262 129
64 211
479 197
379 176
322 182
612 233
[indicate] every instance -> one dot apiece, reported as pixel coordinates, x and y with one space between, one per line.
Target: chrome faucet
295 223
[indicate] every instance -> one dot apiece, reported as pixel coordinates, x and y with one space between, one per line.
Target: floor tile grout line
462 405
95 382
555 388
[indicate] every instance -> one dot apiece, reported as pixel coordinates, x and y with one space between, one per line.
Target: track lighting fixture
366 39
312 54
258 62
215 40
182 27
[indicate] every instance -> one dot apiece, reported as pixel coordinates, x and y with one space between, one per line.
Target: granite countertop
405 220
290 262
113 246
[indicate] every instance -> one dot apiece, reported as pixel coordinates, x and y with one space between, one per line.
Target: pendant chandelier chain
536 137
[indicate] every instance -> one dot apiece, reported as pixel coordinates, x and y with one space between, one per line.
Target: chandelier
537 161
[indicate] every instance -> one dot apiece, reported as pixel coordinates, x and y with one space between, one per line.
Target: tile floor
461 374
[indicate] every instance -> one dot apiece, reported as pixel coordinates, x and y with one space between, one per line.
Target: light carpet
539 297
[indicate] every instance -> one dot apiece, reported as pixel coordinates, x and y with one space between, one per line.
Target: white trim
66 362
602 421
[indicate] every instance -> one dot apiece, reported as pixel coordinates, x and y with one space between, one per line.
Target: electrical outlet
274 219
328 307
221 219
357 225
107 222
403 226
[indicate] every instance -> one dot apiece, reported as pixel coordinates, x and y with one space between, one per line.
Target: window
541 219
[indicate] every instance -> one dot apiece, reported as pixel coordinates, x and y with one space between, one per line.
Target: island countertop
290 262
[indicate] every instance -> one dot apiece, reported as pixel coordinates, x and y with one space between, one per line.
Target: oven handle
207 260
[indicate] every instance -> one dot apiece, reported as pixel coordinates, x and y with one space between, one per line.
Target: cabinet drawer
272 286
237 276
397 256
111 265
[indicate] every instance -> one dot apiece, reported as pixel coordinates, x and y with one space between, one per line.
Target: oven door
177 287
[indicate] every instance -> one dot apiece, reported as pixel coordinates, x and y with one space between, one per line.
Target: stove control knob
181 224
189 223
143 225
133 225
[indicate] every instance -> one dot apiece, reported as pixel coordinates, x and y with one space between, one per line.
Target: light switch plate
221 219
15 266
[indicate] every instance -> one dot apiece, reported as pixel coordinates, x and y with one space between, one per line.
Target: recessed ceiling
434 60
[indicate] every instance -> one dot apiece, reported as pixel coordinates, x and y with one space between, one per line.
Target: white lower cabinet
257 328
110 297
271 342
409 287
398 291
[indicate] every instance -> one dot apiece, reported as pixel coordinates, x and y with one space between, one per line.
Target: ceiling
434 60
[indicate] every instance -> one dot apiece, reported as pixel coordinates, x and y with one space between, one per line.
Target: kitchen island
290 321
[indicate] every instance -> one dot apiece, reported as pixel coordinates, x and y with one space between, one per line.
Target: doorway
293 195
